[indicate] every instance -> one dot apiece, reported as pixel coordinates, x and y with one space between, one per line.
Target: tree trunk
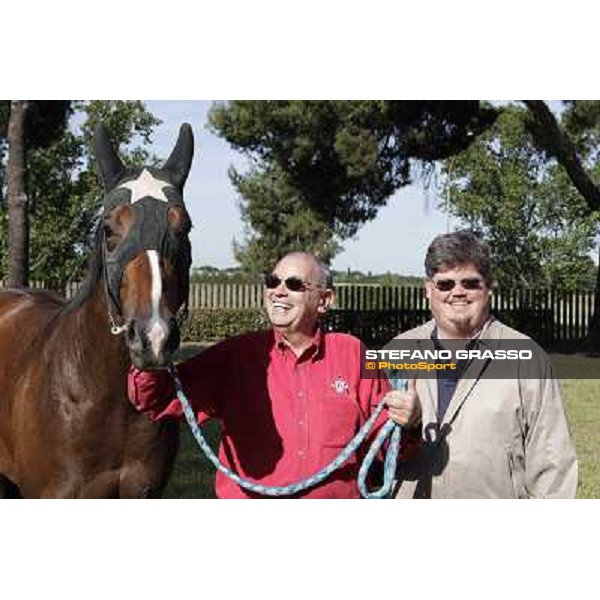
593 335
550 136
18 217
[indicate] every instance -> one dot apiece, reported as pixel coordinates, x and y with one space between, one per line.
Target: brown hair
461 247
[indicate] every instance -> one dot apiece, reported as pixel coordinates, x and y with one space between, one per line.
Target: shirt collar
313 351
472 340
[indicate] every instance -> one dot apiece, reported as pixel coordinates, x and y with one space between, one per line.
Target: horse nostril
173 338
133 335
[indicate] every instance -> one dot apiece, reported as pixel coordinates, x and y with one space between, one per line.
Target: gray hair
325 276
459 248
324 272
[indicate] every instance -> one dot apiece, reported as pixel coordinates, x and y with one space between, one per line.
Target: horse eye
112 238
186 227
179 221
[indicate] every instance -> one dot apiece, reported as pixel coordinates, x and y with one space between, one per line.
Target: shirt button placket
302 412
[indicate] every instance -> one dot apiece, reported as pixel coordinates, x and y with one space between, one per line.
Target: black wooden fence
378 312
554 318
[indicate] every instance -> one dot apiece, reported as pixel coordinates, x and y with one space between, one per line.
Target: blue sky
395 241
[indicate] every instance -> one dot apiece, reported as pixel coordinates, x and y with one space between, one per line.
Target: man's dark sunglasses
294 284
469 283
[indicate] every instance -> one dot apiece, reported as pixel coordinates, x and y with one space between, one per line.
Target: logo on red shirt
339 385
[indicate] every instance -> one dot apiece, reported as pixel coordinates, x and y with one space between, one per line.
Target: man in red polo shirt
288 399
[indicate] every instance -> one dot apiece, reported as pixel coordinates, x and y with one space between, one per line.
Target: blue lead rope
389 429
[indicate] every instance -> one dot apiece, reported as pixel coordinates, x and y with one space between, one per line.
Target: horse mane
93 274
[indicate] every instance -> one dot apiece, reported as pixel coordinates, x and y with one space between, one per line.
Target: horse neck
93 338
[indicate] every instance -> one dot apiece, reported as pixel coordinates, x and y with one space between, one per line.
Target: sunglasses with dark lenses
294 284
469 283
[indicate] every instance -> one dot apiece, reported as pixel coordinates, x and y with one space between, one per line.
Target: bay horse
67 429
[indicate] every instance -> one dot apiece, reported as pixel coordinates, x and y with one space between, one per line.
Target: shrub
375 328
213 324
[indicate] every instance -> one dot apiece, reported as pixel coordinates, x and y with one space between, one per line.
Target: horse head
146 248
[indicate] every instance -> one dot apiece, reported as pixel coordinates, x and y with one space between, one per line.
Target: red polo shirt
283 417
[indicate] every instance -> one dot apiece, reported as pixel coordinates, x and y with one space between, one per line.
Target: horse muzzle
152 342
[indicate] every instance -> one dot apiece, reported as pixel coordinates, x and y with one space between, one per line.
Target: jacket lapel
427 386
427 391
472 373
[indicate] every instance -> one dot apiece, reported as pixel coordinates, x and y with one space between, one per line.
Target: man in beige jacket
481 437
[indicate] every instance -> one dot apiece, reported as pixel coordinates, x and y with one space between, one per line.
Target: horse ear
109 164
180 161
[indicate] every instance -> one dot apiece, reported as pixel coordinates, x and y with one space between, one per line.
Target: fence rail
547 315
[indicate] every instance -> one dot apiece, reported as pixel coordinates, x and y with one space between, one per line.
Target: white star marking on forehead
146 185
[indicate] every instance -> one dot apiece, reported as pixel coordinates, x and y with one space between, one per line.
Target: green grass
582 399
193 475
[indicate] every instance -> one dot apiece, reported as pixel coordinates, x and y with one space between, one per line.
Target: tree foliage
64 191
46 119
293 226
336 162
24 125
539 227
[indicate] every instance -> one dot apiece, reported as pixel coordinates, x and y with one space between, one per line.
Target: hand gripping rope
390 429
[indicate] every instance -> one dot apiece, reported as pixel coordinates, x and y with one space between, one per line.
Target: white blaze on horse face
146 185
157 328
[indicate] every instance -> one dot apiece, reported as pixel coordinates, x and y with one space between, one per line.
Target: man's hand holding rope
404 407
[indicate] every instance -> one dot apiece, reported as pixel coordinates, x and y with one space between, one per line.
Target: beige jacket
499 438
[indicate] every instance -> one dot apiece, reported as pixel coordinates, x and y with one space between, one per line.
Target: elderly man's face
296 310
459 299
